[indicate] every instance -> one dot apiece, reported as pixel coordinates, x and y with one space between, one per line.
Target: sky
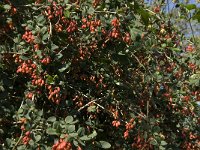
172 4
195 25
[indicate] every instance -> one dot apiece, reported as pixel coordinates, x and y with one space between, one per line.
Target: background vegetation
98 74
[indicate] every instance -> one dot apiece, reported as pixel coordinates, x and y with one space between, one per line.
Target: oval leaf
51 131
105 144
51 119
69 119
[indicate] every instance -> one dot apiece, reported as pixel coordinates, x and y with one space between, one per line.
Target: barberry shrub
95 74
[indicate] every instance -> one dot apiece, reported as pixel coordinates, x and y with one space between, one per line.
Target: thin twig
99 106
6 35
87 104
153 13
192 29
139 61
19 140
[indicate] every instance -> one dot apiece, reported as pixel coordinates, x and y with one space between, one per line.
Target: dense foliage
96 74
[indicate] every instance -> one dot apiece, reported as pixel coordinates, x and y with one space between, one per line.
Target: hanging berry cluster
28 36
54 94
129 126
61 144
26 67
54 11
91 24
26 138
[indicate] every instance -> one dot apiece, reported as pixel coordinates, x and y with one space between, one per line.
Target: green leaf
176 49
71 128
50 79
91 10
94 134
29 27
62 136
37 40
154 142
8 7
40 18
45 36
161 148
164 45
69 119
134 32
22 147
39 53
56 124
81 131
66 1
59 55
75 142
53 47
67 13
196 16
163 143
31 142
23 57
85 138
190 6
144 16
64 67
1 132
118 83
51 119
40 113
105 144
37 138
73 135
51 131
91 109
156 129
43 30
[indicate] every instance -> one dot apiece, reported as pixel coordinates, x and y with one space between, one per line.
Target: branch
139 61
192 29
16 144
87 104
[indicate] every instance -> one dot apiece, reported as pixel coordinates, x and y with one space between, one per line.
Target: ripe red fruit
27 133
157 9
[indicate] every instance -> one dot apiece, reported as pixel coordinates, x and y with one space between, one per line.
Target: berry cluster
72 26
91 24
28 67
54 11
95 3
127 38
46 60
116 123
25 67
29 95
28 36
115 22
22 121
37 80
129 126
61 144
78 101
190 48
58 27
26 138
115 32
54 94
